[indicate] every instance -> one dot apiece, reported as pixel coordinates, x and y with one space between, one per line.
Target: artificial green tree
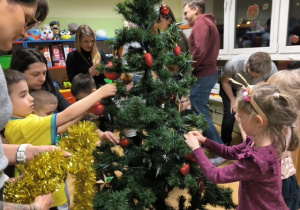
142 174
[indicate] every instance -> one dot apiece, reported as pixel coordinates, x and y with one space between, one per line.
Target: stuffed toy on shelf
34 34
65 34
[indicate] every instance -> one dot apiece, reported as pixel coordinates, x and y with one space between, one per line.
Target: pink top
257 169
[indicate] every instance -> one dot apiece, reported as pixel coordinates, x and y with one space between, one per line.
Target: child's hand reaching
107 136
193 139
108 90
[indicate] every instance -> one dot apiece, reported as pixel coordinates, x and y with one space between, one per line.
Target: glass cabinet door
253 26
218 8
289 35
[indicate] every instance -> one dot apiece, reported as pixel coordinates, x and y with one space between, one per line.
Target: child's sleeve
242 170
227 152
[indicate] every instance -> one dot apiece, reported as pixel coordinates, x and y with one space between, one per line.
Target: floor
236 139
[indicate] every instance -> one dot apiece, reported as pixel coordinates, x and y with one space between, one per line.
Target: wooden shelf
57 67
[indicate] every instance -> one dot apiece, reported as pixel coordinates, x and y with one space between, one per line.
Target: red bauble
185 169
148 59
164 10
112 75
191 157
124 142
177 50
98 109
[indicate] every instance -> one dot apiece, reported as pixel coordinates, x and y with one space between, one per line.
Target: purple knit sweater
257 169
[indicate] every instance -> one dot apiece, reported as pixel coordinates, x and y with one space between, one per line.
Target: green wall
98 14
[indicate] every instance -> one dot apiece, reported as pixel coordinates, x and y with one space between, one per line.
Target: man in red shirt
205 44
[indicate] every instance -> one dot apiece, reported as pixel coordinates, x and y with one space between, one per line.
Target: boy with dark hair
25 127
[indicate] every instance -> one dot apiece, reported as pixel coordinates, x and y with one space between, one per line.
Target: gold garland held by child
44 173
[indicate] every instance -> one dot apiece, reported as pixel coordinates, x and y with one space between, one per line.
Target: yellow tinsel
45 172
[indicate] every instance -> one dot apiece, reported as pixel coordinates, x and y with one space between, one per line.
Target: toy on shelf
101 33
45 27
73 28
47 35
34 34
65 34
55 29
54 24
56 32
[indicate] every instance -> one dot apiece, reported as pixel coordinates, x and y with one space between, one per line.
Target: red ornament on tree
191 157
177 50
98 109
148 59
111 75
185 169
164 10
124 142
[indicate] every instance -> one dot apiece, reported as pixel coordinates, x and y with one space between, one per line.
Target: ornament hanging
177 50
164 10
105 182
148 59
185 169
191 157
111 75
124 142
98 109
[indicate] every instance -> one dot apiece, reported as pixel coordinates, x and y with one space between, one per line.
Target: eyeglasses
31 24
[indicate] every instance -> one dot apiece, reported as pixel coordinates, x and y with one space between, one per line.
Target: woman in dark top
86 56
165 21
34 65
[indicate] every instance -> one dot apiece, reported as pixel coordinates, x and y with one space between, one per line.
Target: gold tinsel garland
44 173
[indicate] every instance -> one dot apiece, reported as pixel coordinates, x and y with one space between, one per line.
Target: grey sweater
5 114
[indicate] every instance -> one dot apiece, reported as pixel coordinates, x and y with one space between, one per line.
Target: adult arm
10 151
42 202
225 82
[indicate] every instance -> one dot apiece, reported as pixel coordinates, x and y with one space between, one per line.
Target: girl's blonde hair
278 112
82 31
288 82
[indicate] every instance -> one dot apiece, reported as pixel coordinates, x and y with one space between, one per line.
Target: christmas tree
152 158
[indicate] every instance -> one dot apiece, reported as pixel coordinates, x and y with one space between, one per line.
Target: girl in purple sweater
265 115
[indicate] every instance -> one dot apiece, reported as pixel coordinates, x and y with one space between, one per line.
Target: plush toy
54 24
101 33
56 31
47 35
34 34
45 27
65 34
73 28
